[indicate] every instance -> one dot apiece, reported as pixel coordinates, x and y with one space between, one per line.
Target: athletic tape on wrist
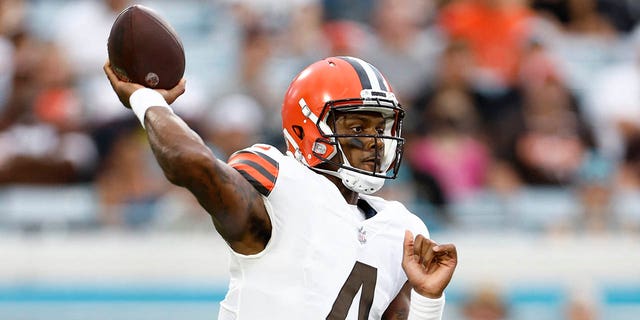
143 99
423 308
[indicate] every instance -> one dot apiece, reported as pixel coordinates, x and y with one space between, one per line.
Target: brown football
145 49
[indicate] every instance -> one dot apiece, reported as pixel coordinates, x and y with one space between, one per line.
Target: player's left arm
399 307
429 268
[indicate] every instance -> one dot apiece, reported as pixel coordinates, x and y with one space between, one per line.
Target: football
144 48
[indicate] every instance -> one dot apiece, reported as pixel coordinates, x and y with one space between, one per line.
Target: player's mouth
371 163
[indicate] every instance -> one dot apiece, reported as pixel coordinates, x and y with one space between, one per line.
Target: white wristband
423 308
143 99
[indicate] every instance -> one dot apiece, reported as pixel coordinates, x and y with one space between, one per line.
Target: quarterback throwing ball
308 240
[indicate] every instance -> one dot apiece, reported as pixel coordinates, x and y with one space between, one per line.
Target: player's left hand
428 265
125 89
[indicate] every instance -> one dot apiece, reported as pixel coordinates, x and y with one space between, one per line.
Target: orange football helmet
344 84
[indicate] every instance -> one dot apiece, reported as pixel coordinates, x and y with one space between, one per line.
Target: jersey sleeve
258 165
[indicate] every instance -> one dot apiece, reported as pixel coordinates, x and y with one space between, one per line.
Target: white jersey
322 261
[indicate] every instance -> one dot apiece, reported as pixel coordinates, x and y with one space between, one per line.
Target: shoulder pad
259 165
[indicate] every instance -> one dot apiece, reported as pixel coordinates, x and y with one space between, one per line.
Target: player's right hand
429 266
125 89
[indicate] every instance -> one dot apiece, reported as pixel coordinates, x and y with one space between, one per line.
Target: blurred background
523 148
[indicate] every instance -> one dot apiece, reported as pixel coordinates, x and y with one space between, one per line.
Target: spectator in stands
345 37
42 95
612 105
584 17
495 30
496 34
80 29
129 184
353 10
404 45
550 121
304 33
234 123
454 71
623 14
451 150
12 15
41 134
585 41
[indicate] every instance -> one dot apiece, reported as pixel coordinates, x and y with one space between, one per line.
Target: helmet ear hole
298 131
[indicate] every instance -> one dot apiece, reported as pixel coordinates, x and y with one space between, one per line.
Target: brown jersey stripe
255 176
255 183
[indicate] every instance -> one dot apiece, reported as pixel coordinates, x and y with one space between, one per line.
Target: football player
307 238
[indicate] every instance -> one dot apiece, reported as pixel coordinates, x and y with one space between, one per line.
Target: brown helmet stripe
370 77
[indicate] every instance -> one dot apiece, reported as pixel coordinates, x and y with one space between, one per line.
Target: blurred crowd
522 114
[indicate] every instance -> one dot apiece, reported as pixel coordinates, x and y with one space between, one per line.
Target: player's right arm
236 207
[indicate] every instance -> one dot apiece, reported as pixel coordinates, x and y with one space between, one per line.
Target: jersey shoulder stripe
258 168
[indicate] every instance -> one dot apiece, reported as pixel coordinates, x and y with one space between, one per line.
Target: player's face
362 152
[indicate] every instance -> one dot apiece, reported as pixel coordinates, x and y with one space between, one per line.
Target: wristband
423 308
143 99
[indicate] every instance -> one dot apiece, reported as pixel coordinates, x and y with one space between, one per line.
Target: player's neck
350 196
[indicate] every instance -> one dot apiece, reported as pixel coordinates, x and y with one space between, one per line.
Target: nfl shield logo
362 236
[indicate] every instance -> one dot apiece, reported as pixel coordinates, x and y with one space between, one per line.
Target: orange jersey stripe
259 169
262 159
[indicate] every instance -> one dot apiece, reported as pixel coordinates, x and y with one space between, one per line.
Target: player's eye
380 131
356 129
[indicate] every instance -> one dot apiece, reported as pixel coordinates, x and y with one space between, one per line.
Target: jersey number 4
362 276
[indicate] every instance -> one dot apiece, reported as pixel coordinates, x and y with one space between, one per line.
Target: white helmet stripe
370 77
306 111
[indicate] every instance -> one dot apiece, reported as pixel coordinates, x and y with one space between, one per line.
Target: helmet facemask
387 158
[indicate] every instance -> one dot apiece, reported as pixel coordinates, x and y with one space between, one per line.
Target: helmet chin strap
360 183
355 181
